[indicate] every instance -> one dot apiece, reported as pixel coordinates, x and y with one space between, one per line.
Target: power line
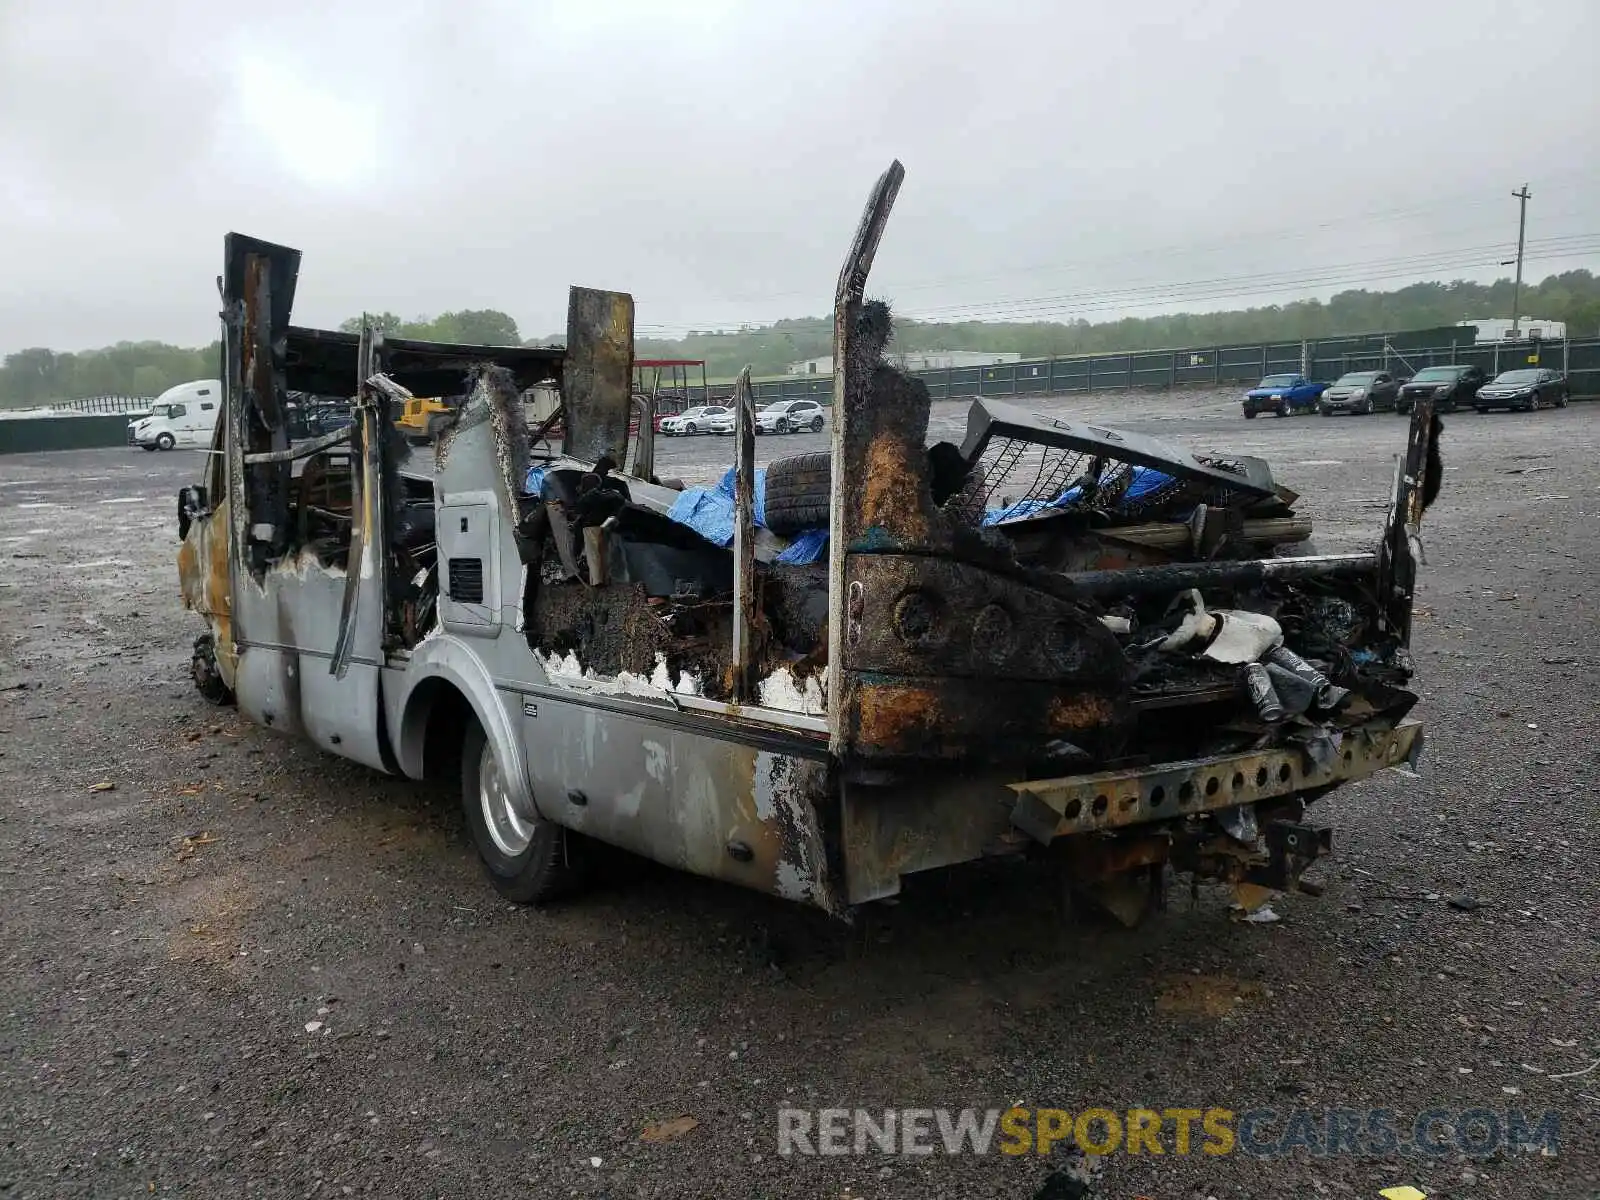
1301 278
1475 198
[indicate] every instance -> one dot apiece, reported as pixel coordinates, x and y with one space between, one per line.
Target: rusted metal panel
1052 808
940 617
258 291
597 376
746 604
717 807
205 577
887 832
850 382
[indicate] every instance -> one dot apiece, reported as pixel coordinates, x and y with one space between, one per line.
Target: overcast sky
711 156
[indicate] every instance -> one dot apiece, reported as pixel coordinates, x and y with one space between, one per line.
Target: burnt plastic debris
1325 694
1262 694
1295 692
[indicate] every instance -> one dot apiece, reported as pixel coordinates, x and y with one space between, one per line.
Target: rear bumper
1047 809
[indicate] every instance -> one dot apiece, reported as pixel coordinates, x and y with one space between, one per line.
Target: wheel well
445 715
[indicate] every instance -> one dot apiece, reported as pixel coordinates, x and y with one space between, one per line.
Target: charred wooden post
745 602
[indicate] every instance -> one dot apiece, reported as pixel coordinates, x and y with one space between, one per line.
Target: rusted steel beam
1136 580
745 605
1050 808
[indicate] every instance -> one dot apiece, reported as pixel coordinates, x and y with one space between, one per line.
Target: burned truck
1052 640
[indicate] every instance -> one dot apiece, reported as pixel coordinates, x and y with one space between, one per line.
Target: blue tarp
1145 481
808 547
709 512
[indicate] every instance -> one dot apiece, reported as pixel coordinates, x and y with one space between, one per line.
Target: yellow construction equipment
422 416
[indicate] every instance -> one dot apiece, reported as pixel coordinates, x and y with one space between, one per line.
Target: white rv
185 415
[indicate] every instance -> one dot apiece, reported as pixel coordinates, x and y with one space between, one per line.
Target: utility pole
1522 228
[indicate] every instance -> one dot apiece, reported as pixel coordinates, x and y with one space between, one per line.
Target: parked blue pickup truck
1284 395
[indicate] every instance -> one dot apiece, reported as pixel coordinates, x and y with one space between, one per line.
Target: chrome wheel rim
510 833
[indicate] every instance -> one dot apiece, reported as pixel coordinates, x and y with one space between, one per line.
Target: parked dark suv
1452 387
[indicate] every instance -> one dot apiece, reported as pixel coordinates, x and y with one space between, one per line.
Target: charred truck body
1055 639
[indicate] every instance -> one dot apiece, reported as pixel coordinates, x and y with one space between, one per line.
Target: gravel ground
234 966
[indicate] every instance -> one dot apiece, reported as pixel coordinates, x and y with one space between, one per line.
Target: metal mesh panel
1020 479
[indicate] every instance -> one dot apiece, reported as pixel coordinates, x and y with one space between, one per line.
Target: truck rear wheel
529 861
207 678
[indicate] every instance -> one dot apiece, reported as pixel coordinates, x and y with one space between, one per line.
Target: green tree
384 322
475 327
471 327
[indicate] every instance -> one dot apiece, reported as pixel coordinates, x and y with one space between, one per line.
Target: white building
920 360
1498 329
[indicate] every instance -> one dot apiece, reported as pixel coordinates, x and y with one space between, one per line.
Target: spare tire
799 493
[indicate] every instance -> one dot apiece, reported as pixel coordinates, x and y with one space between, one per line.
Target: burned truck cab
1053 639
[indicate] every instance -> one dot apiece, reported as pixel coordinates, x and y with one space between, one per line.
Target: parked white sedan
694 421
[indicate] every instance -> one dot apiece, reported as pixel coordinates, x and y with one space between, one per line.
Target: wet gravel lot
234 966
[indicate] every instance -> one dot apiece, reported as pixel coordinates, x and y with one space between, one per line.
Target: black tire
1535 402
1480 409
691 429
1282 410
166 442
548 867
1325 410
151 448
799 491
207 678
1249 414
783 424
816 424
1561 402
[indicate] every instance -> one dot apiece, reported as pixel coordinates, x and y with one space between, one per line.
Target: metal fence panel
23 435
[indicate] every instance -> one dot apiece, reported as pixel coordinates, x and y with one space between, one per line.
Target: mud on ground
246 968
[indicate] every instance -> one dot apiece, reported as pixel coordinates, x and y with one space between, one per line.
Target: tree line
40 376
1573 297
